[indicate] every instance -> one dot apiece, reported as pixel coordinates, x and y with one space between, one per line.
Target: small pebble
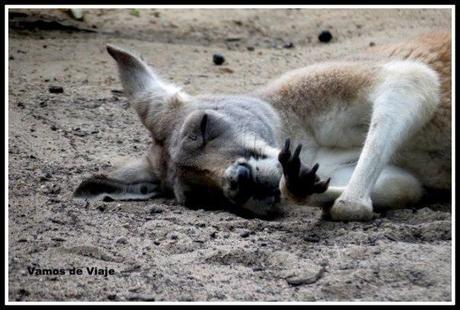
289 45
218 59
305 278
56 89
80 133
45 176
140 297
312 238
53 189
245 234
371 43
122 240
156 210
325 36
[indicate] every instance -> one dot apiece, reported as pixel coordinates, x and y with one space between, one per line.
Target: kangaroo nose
243 174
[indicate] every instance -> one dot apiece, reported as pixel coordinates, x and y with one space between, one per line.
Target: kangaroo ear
138 78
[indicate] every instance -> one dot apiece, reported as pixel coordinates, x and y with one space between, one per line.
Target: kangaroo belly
333 159
341 125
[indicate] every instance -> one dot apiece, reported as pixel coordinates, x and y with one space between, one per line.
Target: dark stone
312 238
245 234
325 36
56 89
218 59
156 210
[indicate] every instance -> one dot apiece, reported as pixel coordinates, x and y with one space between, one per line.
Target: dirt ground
163 251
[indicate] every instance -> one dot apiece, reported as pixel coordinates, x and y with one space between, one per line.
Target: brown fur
347 81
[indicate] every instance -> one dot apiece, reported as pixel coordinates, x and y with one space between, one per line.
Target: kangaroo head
212 146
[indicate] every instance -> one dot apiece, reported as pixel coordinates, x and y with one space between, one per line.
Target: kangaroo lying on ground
378 125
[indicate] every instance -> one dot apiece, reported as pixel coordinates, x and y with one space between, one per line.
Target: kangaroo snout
237 182
245 186
243 175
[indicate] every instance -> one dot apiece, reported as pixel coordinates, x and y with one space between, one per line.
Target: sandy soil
163 251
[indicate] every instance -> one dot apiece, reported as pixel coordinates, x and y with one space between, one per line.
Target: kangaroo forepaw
300 180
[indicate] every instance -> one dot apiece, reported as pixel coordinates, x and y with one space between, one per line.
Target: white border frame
7 7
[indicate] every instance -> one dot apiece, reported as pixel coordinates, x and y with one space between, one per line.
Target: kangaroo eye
203 127
201 133
254 154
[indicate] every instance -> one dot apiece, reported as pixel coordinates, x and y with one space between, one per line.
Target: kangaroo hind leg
405 100
132 181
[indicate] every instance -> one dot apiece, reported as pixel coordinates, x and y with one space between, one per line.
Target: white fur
402 103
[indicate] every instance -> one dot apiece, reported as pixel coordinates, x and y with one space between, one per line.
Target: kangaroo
378 124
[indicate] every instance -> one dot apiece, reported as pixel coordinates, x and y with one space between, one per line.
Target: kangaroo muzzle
248 185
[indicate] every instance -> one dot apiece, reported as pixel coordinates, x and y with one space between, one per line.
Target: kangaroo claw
285 154
321 187
300 180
